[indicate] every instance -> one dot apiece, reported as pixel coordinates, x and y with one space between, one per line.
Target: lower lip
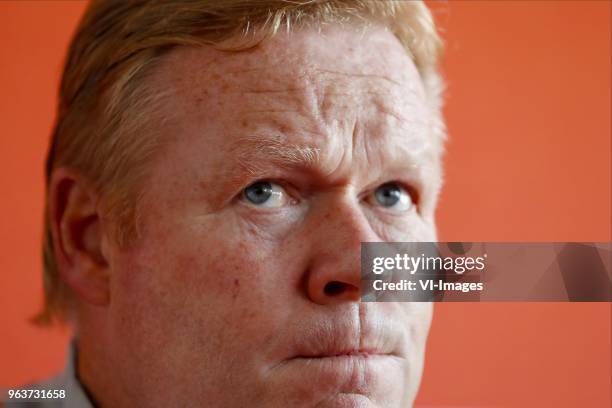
346 380
349 375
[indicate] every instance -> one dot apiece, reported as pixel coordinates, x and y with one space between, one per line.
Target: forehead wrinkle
377 100
374 100
331 73
269 95
406 140
316 97
266 144
384 97
310 91
273 90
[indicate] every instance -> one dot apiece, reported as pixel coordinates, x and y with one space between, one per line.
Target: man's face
243 290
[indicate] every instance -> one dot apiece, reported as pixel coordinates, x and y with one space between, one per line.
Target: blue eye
393 196
265 194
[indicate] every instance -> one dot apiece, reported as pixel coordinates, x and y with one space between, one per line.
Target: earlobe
78 236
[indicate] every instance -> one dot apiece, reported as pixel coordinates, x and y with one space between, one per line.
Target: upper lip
359 337
338 350
343 353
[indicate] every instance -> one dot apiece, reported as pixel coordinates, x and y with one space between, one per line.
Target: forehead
310 87
304 63
335 53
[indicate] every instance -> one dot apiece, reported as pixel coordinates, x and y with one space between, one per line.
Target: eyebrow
254 152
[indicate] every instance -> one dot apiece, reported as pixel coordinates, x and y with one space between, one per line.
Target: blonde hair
101 127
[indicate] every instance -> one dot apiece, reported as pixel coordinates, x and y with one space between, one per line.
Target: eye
265 194
392 196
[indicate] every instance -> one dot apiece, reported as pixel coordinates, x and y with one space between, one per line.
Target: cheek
424 313
420 315
194 278
191 270
198 303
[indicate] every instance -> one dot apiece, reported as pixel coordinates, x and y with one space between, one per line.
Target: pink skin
224 303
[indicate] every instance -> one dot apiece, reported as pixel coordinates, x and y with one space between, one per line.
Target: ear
79 242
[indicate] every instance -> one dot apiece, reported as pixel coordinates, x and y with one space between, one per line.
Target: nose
334 273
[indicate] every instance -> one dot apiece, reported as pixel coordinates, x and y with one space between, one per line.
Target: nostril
334 288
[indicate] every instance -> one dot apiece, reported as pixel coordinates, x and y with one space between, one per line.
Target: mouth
341 358
352 359
353 371
347 341
360 338
347 353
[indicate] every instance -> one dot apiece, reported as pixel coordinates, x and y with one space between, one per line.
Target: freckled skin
210 306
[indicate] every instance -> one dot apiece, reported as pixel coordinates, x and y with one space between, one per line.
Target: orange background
528 112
